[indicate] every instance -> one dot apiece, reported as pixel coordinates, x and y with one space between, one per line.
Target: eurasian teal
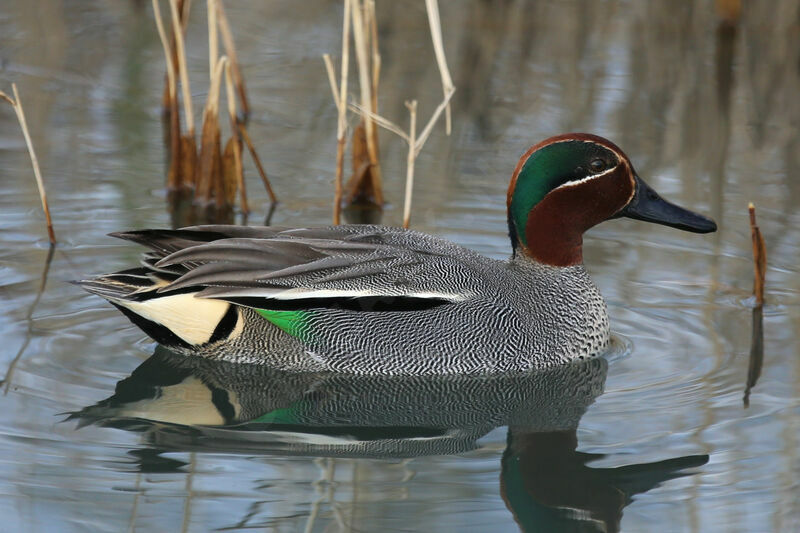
382 300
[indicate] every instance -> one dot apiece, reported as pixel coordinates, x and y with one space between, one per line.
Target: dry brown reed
230 51
756 360
177 31
729 10
415 143
366 182
340 97
174 176
359 188
187 156
210 174
209 177
412 141
235 143
16 103
759 257
213 33
221 173
435 23
184 7
257 160
364 147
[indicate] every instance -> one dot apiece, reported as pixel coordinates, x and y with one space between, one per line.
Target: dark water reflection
705 104
192 404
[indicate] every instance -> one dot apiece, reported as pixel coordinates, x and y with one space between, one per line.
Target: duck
381 300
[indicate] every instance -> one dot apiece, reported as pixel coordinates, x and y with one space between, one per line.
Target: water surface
707 111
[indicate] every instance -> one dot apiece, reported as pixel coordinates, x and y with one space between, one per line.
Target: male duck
383 300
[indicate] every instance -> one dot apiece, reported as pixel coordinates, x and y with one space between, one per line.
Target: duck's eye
597 165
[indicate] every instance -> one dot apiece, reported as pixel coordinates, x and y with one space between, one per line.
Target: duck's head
566 184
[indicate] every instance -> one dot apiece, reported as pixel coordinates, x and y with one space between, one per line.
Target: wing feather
310 264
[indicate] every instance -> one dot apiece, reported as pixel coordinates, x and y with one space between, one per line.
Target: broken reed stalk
340 142
364 23
257 160
759 257
375 62
187 156
216 175
174 180
412 137
432 121
340 97
213 41
380 121
177 29
235 140
210 164
415 143
230 51
361 24
183 7
16 103
756 360
729 10
359 188
435 23
330 70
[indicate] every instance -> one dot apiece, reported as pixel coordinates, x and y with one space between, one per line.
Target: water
707 113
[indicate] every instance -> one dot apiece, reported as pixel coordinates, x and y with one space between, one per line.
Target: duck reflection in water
195 404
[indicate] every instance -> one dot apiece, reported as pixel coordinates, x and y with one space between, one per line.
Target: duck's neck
552 241
548 239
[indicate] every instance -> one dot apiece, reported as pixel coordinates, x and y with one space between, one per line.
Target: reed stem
174 178
257 160
209 161
237 146
16 103
177 28
230 51
412 156
213 40
361 24
435 22
341 107
759 256
432 121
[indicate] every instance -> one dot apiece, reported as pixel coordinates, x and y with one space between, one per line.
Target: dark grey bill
647 205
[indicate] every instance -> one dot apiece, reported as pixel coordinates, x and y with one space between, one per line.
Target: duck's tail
176 318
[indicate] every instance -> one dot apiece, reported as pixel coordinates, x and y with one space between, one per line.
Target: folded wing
354 267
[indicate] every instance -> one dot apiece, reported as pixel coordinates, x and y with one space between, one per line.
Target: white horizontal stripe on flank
301 293
298 293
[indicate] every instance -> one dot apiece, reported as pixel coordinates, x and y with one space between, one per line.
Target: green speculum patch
285 415
547 168
295 323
